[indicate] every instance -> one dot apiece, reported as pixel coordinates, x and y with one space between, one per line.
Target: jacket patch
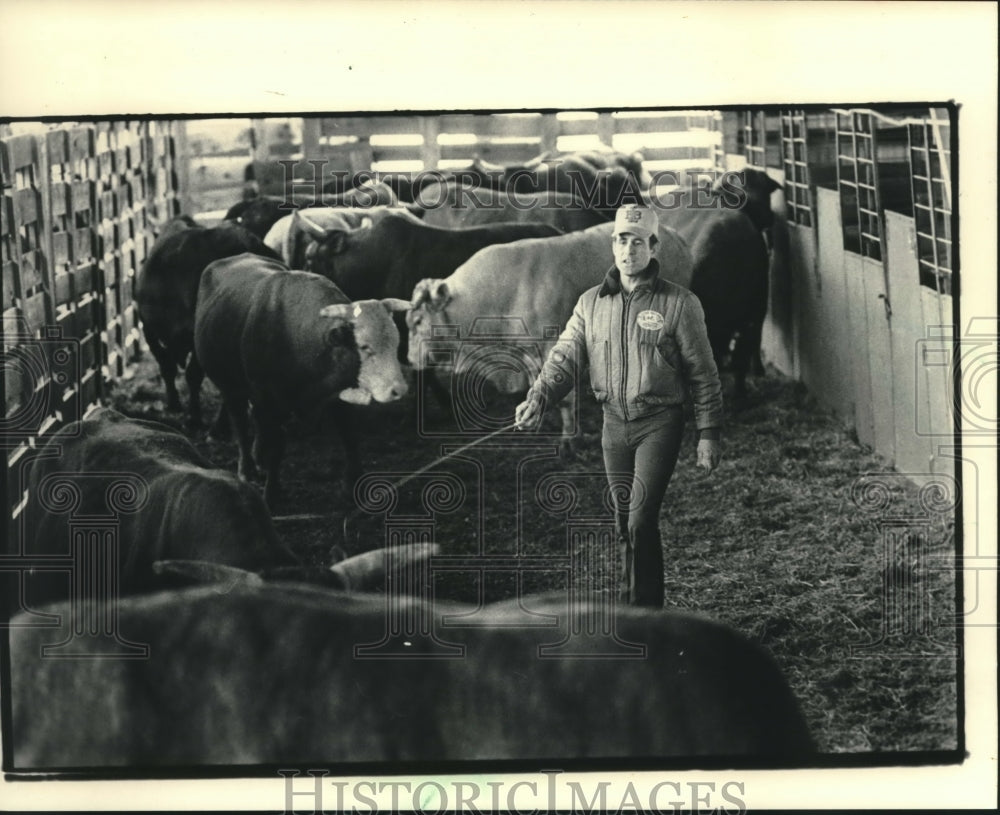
650 320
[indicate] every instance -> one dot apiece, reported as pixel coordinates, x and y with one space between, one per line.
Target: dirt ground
783 541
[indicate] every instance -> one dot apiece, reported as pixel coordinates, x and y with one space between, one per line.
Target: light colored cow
530 287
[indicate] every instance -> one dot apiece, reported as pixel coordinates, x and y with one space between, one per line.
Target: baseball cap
636 219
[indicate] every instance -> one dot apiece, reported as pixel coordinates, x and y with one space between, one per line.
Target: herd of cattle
294 309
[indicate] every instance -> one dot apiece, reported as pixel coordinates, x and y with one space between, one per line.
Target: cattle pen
828 536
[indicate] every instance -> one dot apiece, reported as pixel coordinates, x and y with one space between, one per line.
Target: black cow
730 277
284 675
166 290
259 214
397 252
190 510
455 205
291 342
180 520
749 190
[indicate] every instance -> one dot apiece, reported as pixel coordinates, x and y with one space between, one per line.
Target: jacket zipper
624 332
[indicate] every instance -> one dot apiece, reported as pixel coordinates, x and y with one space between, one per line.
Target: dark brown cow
730 277
180 520
453 205
749 191
397 252
286 675
291 342
166 290
192 510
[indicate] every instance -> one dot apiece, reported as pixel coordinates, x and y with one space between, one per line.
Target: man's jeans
646 450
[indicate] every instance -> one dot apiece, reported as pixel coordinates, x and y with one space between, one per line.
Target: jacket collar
613 283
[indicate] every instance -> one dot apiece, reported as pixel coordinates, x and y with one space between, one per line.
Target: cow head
430 296
750 191
380 377
323 242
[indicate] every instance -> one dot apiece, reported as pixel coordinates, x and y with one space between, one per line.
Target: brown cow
291 343
286 675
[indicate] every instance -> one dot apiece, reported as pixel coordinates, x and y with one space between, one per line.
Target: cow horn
421 294
369 570
396 304
340 310
203 571
440 296
355 396
308 224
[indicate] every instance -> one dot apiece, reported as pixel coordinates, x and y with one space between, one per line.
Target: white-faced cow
285 675
530 286
291 343
166 291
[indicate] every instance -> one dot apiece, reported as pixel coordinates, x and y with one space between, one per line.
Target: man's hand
528 414
709 453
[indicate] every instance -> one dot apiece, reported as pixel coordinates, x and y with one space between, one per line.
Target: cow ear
306 224
339 334
366 222
440 295
395 304
421 293
335 240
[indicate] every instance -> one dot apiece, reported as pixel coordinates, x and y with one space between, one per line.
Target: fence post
431 151
605 129
549 133
310 137
44 182
182 165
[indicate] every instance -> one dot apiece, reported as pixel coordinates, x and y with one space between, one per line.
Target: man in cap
646 346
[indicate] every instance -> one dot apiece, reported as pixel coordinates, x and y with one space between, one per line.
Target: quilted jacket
645 350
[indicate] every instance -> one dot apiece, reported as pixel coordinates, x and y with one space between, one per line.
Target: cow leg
439 391
195 375
168 367
269 447
756 362
429 386
743 351
222 427
342 416
237 409
569 441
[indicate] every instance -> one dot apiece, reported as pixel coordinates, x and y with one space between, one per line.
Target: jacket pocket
659 378
600 370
